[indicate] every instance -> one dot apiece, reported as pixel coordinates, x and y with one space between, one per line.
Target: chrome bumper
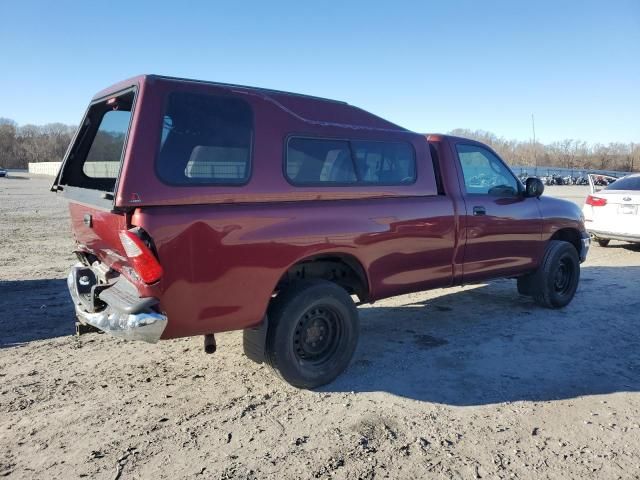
146 325
615 236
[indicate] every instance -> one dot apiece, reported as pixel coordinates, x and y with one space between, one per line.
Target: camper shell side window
206 140
324 161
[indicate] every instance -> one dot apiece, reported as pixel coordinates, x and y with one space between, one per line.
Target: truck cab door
503 228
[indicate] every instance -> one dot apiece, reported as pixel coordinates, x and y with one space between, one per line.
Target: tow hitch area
113 307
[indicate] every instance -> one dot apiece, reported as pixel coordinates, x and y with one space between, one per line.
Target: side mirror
533 187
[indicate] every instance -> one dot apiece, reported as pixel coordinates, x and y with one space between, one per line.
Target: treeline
575 154
20 145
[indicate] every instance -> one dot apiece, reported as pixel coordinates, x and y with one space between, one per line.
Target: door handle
478 211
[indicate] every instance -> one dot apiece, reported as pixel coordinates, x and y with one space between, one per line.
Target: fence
563 172
44 168
93 169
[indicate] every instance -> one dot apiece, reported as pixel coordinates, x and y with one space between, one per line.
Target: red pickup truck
201 207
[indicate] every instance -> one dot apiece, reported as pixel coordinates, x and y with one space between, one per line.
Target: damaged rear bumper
114 308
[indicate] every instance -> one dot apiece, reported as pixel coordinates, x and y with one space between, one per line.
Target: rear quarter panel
222 262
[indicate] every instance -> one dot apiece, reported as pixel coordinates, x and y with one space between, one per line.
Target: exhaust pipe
209 343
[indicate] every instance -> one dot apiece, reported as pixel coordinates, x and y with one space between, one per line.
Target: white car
613 213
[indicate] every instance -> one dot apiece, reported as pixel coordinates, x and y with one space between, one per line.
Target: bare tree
569 153
7 141
20 145
32 143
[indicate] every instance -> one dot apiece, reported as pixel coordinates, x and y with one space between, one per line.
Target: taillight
144 261
596 201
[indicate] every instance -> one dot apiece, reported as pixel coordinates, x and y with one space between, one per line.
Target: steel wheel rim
317 335
564 274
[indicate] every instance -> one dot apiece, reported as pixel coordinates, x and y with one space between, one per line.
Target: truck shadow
634 247
487 344
477 346
34 310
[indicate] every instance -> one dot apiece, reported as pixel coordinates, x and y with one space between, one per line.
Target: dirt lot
471 382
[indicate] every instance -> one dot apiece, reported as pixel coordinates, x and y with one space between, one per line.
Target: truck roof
307 107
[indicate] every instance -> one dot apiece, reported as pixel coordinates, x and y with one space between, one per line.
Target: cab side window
484 173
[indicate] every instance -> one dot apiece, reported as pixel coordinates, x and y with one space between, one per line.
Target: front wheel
313 333
555 282
603 242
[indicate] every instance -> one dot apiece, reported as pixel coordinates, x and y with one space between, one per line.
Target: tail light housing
596 201
142 258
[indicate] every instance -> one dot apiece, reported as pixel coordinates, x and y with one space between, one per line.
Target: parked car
3 172
233 207
611 213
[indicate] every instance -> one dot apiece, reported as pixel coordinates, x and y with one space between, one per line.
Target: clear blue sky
428 66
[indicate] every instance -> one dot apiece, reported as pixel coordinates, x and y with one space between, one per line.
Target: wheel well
344 270
568 235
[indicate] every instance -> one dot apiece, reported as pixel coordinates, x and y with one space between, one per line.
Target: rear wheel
555 282
603 242
313 333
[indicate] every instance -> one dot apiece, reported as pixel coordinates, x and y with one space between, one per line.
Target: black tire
313 333
603 242
555 282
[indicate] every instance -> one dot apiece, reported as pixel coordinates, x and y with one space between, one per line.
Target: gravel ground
472 382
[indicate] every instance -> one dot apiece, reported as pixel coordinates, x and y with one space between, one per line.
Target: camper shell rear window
206 140
95 157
